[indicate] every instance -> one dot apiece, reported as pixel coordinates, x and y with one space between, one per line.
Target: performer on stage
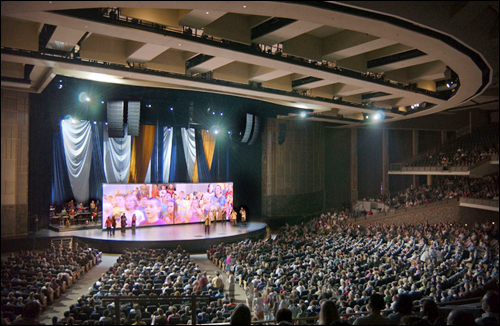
113 224
134 221
234 217
208 221
243 216
109 224
123 221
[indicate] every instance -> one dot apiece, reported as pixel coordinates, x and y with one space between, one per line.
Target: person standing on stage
134 220
109 224
123 221
243 216
113 224
234 217
208 221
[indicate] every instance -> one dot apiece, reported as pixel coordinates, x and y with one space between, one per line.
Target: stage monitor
166 203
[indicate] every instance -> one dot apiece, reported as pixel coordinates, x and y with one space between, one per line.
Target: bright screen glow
166 204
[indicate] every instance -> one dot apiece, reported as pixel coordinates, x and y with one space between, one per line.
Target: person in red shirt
109 224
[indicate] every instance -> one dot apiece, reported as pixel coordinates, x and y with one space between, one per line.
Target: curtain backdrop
167 152
201 161
141 154
189 144
84 158
209 147
78 151
116 157
97 176
61 187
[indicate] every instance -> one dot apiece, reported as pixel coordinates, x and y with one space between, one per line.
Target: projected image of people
167 204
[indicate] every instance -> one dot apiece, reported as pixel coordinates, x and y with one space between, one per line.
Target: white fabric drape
188 141
148 174
78 153
117 153
167 152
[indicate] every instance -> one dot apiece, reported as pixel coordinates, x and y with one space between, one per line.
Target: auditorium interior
341 151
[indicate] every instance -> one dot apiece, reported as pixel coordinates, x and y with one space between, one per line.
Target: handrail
103 16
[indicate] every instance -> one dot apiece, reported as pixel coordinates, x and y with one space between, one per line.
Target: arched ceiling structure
341 62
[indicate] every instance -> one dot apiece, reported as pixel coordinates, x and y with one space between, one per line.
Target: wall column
385 162
414 153
354 165
429 179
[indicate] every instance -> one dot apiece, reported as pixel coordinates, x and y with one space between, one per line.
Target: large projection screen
166 204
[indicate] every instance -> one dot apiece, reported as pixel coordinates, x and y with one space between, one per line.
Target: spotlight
379 115
95 122
171 109
83 97
60 86
215 130
303 114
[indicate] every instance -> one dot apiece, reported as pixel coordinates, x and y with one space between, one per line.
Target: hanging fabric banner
78 152
116 157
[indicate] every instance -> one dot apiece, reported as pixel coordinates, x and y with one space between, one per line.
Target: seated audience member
429 310
403 307
375 306
490 303
241 315
284 315
31 314
460 317
328 313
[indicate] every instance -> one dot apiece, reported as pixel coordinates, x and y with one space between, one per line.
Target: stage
190 237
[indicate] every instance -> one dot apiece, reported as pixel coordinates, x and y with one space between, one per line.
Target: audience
490 303
241 315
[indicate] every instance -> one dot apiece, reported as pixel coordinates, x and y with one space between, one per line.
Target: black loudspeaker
116 119
256 130
282 133
248 128
133 118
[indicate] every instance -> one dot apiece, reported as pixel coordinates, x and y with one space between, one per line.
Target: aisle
81 286
206 265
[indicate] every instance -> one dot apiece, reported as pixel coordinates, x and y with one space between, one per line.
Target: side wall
293 180
15 154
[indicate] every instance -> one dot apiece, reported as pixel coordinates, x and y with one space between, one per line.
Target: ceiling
341 62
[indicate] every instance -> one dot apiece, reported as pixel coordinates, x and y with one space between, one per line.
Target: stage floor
191 237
